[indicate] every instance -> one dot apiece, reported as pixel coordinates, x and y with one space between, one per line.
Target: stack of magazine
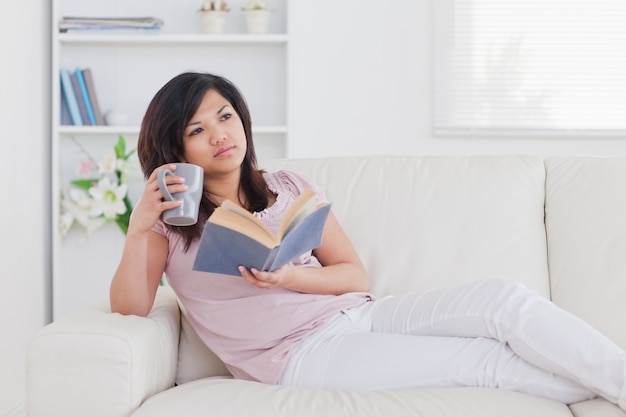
109 23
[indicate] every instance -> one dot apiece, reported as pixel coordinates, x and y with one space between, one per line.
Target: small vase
116 118
257 21
213 20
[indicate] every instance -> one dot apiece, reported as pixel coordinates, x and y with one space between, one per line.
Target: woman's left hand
266 280
342 271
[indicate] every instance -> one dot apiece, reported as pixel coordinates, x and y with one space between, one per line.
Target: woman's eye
195 131
226 116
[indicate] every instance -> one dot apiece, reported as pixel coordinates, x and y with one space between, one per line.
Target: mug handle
162 186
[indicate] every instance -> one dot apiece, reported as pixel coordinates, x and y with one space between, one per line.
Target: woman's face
214 137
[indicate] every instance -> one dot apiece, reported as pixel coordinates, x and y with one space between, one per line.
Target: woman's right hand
151 204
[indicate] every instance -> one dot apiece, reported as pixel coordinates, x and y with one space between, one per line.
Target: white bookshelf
172 38
128 68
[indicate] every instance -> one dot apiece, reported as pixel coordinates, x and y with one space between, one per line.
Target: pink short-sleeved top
252 330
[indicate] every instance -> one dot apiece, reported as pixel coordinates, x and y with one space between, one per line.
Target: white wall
24 120
362 84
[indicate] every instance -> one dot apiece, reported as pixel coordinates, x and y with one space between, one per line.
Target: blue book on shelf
68 93
93 97
85 94
79 98
65 112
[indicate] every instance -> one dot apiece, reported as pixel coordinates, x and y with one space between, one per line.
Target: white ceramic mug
187 213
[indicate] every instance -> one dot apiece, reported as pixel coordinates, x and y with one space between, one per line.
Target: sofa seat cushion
597 407
228 397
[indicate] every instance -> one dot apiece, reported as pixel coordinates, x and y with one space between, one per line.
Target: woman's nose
218 137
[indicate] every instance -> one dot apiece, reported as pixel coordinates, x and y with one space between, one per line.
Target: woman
313 323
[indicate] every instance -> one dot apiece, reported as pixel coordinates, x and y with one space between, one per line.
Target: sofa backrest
586 230
432 221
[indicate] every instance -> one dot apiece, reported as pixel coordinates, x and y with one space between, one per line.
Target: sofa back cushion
195 359
432 221
586 230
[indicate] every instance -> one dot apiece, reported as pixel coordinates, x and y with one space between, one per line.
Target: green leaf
85 183
129 154
124 219
120 148
122 224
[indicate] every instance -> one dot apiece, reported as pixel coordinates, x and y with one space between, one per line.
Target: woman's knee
505 286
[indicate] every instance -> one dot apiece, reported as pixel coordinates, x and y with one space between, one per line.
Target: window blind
530 66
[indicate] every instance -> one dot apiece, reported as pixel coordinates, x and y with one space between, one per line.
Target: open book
232 237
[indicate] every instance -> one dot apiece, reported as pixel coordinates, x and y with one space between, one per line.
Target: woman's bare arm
137 277
342 269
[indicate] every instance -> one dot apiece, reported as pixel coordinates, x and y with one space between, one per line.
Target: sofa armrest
95 363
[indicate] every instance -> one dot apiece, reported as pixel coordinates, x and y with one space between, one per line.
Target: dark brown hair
161 138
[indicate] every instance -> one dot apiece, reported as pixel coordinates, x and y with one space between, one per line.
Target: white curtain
548 66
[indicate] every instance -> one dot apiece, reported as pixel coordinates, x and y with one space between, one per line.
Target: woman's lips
224 150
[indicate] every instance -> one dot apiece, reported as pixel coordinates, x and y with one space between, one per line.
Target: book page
299 209
305 236
244 222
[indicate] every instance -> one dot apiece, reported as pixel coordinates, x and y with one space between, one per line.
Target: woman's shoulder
291 183
288 179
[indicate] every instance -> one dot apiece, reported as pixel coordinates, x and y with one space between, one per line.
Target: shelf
169 38
129 66
134 130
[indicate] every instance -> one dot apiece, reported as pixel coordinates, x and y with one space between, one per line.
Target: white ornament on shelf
257 14
257 20
116 118
213 15
213 21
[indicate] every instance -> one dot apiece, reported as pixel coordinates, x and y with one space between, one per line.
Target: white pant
493 333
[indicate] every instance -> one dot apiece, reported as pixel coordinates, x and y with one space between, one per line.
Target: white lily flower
108 198
90 224
77 203
105 201
108 164
95 223
127 167
65 223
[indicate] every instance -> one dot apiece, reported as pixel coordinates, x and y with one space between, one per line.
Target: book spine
269 262
79 98
68 91
91 89
85 94
65 112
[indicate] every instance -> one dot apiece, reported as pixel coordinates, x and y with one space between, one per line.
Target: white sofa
558 225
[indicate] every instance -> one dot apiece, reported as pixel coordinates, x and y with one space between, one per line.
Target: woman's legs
492 333
375 361
533 327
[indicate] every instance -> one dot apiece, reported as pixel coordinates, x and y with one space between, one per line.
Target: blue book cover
223 249
85 95
65 112
79 98
93 97
70 97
